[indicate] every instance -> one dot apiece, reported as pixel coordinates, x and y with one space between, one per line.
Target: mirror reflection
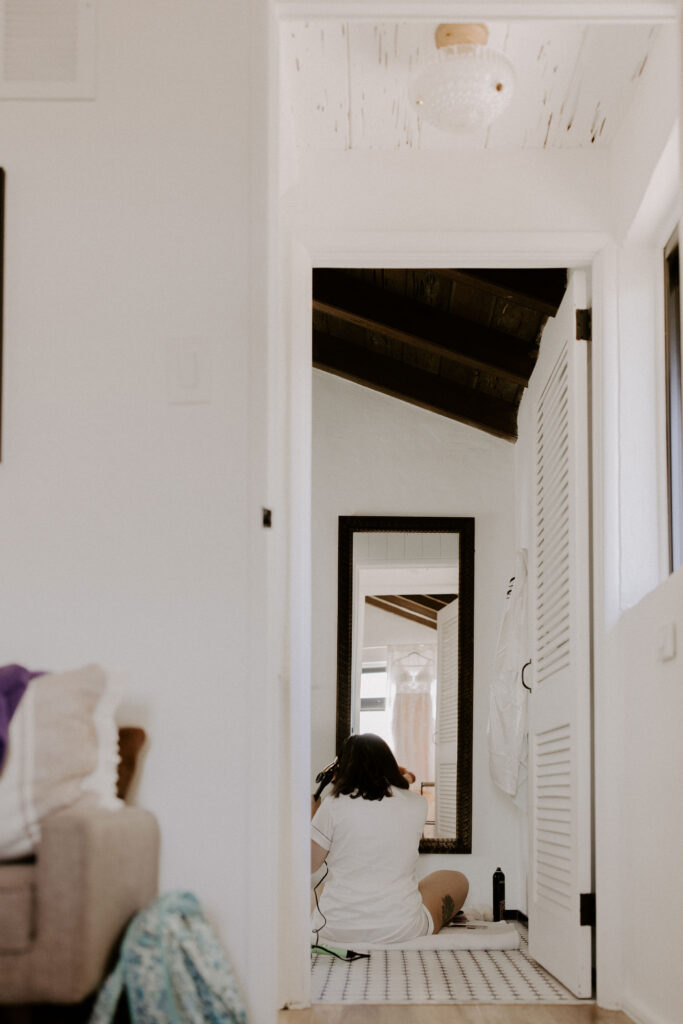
401 683
401 677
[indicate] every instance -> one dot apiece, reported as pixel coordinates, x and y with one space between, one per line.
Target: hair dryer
325 776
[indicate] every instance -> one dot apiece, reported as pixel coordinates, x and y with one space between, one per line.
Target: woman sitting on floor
368 831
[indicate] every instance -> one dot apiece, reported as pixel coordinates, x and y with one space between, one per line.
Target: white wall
643 134
124 524
650 712
639 827
479 191
383 628
374 455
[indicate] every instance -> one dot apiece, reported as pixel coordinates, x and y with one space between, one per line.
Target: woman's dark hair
367 768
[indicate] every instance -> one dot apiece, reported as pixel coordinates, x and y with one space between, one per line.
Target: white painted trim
414 249
641 1015
297 382
435 248
612 11
606 569
266 551
655 221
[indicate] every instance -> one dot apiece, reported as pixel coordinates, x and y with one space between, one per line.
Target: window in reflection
402 686
374 704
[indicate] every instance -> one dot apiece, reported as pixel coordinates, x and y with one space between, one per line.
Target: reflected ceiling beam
429 391
434 601
388 605
410 604
424 327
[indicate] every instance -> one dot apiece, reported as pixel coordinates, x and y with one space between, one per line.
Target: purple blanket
13 681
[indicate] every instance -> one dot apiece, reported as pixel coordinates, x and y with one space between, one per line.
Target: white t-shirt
371 892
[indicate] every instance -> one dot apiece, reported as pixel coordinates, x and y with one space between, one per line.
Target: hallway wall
125 519
374 455
638 700
649 715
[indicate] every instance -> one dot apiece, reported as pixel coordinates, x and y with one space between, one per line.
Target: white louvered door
447 624
560 810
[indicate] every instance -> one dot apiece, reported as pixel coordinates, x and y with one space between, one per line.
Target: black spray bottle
498 895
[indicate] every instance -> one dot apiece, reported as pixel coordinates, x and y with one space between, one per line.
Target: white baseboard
640 1014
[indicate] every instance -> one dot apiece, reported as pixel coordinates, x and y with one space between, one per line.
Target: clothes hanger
415 654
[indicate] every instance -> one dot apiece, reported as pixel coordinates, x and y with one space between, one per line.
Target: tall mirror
405 656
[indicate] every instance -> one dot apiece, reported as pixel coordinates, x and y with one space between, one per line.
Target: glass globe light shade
465 89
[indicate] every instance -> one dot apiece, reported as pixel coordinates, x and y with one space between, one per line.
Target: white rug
475 935
436 975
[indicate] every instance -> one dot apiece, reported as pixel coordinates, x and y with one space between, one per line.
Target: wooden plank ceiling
346 84
461 343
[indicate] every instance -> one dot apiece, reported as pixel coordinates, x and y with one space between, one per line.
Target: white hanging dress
411 681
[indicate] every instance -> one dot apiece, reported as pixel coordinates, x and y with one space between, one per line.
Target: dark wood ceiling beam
409 605
395 610
422 326
435 601
541 290
381 373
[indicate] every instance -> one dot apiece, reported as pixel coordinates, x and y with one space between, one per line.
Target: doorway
493 237
460 256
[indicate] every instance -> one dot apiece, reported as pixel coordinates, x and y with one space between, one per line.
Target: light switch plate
188 367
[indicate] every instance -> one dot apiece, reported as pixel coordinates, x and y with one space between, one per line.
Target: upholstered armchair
63 911
76 862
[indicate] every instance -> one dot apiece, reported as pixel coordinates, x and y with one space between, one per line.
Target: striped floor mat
437 976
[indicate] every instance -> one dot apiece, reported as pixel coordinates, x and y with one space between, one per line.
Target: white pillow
102 781
52 748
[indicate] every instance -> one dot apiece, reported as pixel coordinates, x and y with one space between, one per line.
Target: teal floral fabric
171 969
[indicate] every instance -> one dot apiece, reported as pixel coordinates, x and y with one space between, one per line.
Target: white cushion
102 781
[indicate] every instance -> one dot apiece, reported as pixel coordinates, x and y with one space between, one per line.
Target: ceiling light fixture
467 86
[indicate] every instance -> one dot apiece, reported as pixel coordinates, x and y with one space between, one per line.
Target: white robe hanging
507 727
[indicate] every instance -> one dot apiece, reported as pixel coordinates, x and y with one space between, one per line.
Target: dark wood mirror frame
348 527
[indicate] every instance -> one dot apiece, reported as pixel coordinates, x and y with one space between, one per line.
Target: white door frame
293 391
414 250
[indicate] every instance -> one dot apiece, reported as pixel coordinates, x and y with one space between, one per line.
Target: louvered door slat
447 720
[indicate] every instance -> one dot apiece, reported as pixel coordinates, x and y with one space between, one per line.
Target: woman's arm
407 774
318 855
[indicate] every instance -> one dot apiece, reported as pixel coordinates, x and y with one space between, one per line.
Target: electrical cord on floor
348 957
349 954
317 905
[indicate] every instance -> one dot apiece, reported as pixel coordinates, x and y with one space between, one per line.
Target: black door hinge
587 909
584 325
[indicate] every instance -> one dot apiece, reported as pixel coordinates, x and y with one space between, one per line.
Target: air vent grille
47 49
